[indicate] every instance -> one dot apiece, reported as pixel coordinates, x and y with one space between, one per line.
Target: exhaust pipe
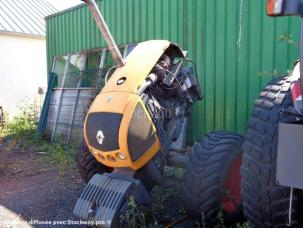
112 46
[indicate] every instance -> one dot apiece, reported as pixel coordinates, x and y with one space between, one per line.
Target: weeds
273 73
220 220
21 126
20 132
133 217
59 154
288 39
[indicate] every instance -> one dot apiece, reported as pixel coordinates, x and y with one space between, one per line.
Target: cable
167 71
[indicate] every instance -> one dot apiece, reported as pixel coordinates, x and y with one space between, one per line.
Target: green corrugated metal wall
237 48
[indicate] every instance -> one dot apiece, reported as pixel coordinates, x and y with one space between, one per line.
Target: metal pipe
112 46
290 207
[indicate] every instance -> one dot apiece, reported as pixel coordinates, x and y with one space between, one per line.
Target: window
58 68
85 69
75 70
92 69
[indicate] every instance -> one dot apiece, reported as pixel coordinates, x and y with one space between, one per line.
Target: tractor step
105 198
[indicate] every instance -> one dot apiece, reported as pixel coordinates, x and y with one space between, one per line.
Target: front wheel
88 165
212 178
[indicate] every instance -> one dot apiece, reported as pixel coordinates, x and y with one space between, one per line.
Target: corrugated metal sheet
64 113
24 16
237 48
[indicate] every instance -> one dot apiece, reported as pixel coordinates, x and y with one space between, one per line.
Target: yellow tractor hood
138 65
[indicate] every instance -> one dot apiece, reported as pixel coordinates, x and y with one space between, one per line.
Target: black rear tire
206 174
265 203
88 165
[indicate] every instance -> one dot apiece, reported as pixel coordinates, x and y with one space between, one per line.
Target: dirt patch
35 190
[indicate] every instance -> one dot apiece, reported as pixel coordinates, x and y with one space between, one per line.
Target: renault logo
100 137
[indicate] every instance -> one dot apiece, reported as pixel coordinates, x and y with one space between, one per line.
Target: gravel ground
33 190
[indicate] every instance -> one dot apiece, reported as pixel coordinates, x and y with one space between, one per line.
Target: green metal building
236 47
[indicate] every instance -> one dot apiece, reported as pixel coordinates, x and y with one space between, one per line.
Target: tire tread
205 174
264 202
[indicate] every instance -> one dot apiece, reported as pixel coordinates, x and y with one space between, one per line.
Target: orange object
274 7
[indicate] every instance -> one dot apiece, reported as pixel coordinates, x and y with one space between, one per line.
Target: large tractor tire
88 165
212 178
265 203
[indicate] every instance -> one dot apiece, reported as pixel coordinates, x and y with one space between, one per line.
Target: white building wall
22 70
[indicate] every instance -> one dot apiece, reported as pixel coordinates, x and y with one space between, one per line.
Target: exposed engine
171 91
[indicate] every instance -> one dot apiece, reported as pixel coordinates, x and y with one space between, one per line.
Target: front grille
141 135
107 126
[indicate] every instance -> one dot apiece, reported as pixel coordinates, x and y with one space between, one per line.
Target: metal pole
290 207
112 46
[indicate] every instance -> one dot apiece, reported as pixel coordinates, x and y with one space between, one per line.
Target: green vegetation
283 38
220 220
21 126
57 153
273 73
288 38
20 132
133 217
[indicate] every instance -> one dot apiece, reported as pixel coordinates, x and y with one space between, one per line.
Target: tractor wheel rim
232 186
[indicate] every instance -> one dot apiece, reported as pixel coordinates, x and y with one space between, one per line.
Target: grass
21 126
59 154
20 132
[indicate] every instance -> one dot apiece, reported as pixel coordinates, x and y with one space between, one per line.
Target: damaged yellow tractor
137 125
